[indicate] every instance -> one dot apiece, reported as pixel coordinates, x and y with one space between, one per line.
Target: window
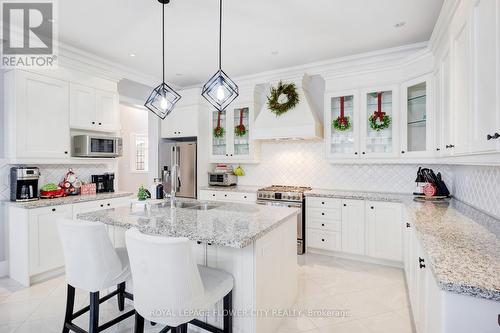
139 152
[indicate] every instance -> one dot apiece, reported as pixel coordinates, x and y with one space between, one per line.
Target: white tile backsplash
303 163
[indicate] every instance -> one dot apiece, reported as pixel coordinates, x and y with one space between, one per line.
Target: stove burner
284 188
282 193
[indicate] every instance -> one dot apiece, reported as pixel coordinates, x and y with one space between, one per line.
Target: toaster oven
222 179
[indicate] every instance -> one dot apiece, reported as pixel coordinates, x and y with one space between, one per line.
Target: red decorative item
379 114
240 129
88 189
70 184
52 194
218 131
430 190
342 119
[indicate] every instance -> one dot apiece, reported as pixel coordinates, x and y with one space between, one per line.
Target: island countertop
227 224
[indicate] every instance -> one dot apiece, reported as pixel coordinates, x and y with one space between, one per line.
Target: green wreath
378 125
219 132
240 130
287 89
340 125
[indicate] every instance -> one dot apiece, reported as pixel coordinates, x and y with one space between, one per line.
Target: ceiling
258 35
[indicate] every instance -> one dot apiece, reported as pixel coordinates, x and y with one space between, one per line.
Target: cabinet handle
66 152
323 214
198 242
100 123
109 204
421 260
53 209
494 136
450 146
372 207
322 202
225 195
345 205
244 197
102 205
322 239
93 123
231 154
402 151
322 224
438 149
209 244
213 195
422 265
407 224
356 153
363 153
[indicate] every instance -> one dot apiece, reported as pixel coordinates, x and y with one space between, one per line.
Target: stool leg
184 328
70 304
121 296
139 323
228 312
94 312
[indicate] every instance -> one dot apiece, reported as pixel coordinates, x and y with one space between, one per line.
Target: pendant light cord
220 34
163 39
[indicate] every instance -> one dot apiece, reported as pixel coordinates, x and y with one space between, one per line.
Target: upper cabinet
93 109
416 118
230 134
182 122
380 113
37 118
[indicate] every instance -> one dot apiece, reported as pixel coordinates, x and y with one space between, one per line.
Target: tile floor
373 297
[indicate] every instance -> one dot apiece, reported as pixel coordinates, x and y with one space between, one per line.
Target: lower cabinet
228 196
355 227
45 250
384 230
35 251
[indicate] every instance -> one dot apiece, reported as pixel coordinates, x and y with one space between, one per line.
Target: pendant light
220 90
163 98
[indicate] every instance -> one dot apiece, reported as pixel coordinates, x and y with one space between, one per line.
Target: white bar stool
92 264
170 288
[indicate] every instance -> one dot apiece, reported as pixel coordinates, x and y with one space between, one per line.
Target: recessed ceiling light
275 52
179 74
132 55
400 24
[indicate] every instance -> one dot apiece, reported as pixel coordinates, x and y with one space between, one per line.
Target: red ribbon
379 114
241 118
218 119
342 107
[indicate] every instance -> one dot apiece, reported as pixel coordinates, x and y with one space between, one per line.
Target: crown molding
443 22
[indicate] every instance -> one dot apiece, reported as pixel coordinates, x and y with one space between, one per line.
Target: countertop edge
69 200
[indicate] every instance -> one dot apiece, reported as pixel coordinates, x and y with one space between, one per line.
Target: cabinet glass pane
342 141
417 117
379 141
240 121
219 143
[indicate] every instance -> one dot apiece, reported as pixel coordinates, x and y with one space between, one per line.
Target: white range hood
299 123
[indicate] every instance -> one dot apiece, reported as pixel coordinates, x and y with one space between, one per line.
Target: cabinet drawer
325 240
324 225
328 203
324 214
244 197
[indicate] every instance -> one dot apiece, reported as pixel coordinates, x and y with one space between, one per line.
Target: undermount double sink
192 205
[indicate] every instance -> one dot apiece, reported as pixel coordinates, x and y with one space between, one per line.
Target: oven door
300 220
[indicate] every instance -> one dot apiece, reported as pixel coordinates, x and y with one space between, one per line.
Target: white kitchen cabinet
230 147
93 109
342 143
485 112
44 243
416 118
444 132
228 196
384 230
353 226
323 224
383 143
37 117
182 122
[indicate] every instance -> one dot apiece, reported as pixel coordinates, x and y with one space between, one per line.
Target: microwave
222 179
96 146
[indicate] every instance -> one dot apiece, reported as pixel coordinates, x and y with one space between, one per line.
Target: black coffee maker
24 183
104 183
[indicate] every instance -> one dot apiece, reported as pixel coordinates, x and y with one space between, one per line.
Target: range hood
299 123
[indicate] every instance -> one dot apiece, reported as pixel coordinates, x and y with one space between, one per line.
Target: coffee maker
104 183
24 183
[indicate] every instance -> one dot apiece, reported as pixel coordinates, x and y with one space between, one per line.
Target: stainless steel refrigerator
182 154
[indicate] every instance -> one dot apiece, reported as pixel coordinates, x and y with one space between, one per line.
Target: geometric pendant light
220 90
163 98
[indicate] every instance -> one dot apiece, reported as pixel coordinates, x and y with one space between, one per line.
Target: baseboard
357 257
4 268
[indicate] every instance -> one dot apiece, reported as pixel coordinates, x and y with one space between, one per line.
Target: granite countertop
68 200
462 243
237 188
229 224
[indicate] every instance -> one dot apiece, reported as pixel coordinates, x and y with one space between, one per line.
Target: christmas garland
342 124
377 124
218 130
277 104
379 120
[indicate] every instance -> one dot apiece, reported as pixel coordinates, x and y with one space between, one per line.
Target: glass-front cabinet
230 135
379 121
416 132
342 124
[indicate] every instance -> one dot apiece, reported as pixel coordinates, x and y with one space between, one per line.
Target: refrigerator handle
178 165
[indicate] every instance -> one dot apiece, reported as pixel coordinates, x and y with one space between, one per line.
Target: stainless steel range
287 196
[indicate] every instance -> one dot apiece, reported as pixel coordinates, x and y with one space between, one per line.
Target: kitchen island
255 243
